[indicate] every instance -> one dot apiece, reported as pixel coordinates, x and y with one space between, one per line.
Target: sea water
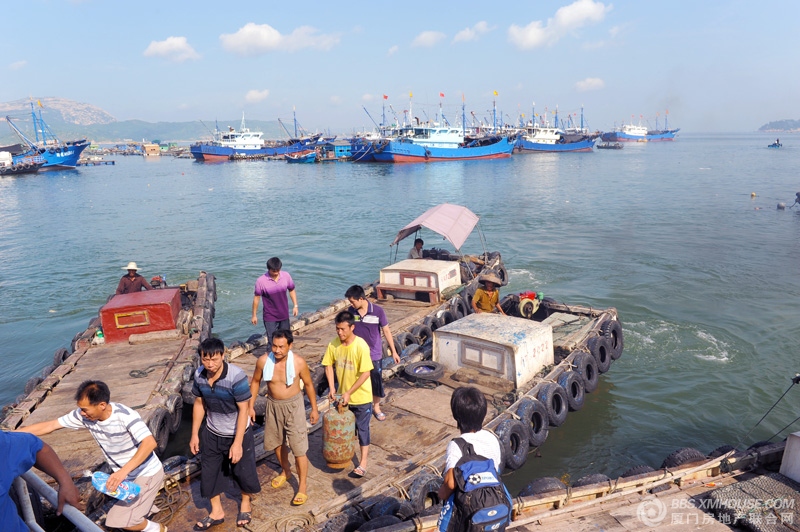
704 276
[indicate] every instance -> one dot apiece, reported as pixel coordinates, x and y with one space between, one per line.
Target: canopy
453 222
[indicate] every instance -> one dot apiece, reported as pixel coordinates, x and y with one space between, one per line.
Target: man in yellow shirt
348 356
487 298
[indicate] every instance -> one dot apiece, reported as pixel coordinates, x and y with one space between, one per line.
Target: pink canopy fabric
453 222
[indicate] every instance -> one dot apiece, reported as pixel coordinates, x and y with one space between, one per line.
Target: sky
714 66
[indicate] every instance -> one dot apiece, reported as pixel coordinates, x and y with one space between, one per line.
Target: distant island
787 126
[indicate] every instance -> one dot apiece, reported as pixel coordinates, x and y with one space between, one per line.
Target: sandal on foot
278 481
299 499
243 518
208 522
380 416
359 472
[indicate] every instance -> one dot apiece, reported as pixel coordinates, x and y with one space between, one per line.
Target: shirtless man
285 419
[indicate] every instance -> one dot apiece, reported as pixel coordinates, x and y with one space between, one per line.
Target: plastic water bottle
126 491
163 279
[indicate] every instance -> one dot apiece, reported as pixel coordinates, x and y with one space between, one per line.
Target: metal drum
338 436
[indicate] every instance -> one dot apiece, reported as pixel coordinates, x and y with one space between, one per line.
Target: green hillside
781 125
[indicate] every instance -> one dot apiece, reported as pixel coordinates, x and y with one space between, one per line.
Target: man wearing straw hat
132 282
487 298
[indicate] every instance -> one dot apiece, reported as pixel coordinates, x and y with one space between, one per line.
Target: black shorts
363 414
376 379
217 467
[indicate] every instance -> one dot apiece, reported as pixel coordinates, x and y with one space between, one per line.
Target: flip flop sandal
208 522
299 499
380 416
279 481
359 471
244 518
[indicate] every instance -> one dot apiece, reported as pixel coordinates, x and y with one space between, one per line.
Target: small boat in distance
54 152
301 157
640 133
609 146
776 144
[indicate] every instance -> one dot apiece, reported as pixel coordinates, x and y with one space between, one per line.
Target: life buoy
601 351
534 415
612 329
573 386
586 367
554 399
513 436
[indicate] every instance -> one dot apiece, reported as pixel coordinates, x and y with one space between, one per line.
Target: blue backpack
480 502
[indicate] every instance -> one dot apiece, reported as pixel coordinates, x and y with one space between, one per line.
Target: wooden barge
143 346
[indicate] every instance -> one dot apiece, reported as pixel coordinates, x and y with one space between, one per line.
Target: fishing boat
10 165
775 144
535 138
640 133
144 346
609 146
301 157
534 365
45 144
432 143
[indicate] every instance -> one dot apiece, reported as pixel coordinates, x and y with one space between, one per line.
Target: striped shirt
220 400
119 437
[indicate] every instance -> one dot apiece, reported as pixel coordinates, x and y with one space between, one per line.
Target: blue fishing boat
543 137
53 151
301 157
776 144
430 144
639 133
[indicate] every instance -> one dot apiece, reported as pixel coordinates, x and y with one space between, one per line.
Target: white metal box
790 463
515 349
405 278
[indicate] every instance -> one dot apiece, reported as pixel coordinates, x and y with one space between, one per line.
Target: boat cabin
504 347
419 280
140 312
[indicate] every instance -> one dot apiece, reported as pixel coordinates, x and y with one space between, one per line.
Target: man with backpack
475 498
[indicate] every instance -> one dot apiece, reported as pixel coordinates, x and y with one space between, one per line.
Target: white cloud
257 39
336 100
367 98
589 84
17 65
428 38
393 50
566 19
473 33
255 96
174 49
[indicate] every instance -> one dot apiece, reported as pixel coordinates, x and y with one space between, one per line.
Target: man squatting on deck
271 289
20 452
348 356
222 399
370 320
285 418
128 445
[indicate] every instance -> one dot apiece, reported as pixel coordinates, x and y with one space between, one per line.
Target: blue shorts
363 414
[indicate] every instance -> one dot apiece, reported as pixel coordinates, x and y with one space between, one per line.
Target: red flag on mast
441 95
385 97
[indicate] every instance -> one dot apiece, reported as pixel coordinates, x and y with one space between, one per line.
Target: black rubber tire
466 297
757 445
586 367
601 351
432 322
60 356
255 337
404 340
386 506
422 333
572 383
320 381
502 273
638 470
554 399
543 485
724 449
343 522
684 455
406 511
423 492
510 305
588 480
424 370
175 408
159 424
458 307
612 329
447 317
46 371
379 522
534 414
31 385
513 435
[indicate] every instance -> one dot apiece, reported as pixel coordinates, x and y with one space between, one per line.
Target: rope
433 469
400 490
141 373
795 380
292 522
169 501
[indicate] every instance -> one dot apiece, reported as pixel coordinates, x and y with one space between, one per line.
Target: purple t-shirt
273 295
369 328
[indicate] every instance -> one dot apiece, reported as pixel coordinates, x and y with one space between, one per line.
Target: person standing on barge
370 321
348 356
129 448
221 429
271 289
132 282
285 417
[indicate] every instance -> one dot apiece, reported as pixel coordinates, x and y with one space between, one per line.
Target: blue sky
715 65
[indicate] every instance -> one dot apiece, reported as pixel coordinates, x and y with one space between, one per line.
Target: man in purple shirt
271 288
370 321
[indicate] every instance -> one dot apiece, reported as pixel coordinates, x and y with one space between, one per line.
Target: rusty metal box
140 312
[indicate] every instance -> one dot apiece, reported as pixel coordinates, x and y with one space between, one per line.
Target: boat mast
581 118
494 113
666 117
463 117
294 115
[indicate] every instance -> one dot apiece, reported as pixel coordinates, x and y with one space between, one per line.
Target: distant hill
71 120
781 125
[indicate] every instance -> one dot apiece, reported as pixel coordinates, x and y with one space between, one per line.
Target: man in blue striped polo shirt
222 400
127 444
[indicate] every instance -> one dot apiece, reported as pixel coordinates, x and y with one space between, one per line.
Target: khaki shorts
125 515
285 422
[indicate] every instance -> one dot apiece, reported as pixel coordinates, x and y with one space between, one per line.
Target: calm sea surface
705 277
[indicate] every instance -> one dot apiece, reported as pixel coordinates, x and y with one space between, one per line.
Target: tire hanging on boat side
612 330
534 415
586 367
572 383
555 400
513 436
601 351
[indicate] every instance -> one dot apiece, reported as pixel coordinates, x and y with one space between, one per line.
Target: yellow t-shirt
485 301
349 362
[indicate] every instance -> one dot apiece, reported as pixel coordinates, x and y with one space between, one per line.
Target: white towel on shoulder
269 368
